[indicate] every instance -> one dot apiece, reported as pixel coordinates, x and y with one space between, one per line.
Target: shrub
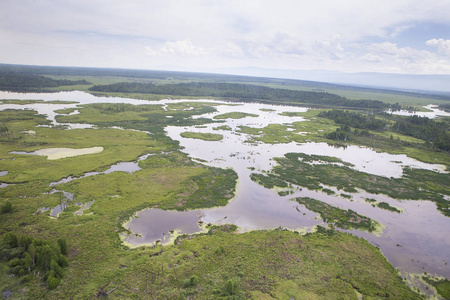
52 281
181 296
11 240
25 241
63 245
230 287
6 208
191 282
220 250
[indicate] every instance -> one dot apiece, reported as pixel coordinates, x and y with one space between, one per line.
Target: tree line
356 120
44 258
244 92
434 132
23 82
429 130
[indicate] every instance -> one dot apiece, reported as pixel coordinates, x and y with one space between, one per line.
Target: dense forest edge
23 82
434 132
243 92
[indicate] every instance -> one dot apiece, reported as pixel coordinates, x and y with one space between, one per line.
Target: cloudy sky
393 36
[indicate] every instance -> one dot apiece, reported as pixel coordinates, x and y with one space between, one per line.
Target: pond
432 112
414 241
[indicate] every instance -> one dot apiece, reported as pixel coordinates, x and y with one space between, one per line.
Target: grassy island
234 115
202 136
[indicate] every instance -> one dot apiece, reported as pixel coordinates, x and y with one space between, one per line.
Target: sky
388 36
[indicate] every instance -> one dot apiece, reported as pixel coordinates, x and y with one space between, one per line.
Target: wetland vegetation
296 168
345 219
202 136
441 285
432 132
234 115
86 257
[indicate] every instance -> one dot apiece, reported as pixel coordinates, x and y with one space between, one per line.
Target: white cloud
229 49
283 42
179 48
369 57
385 48
259 51
391 58
442 45
329 49
273 33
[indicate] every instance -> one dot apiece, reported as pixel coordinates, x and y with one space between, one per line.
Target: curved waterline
413 241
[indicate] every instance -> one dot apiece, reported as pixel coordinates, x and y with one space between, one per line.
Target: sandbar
57 153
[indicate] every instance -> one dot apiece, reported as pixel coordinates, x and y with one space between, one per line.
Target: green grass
271 134
309 130
96 254
268 182
188 105
119 145
271 264
314 129
442 286
387 206
172 180
345 219
292 114
223 127
328 191
152 118
202 136
66 111
234 115
416 184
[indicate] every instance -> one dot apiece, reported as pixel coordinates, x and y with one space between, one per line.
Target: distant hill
429 83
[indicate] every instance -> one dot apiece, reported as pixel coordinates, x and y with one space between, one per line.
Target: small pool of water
83 207
159 225
434 113
129 167
65 201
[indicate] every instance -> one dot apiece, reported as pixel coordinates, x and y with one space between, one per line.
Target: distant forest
239 91
433 132
354 119
197 77
23 82
429 130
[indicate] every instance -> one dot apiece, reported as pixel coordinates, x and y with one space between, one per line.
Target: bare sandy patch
57 153
29 132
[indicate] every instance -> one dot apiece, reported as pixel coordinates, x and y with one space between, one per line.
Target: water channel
414 241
